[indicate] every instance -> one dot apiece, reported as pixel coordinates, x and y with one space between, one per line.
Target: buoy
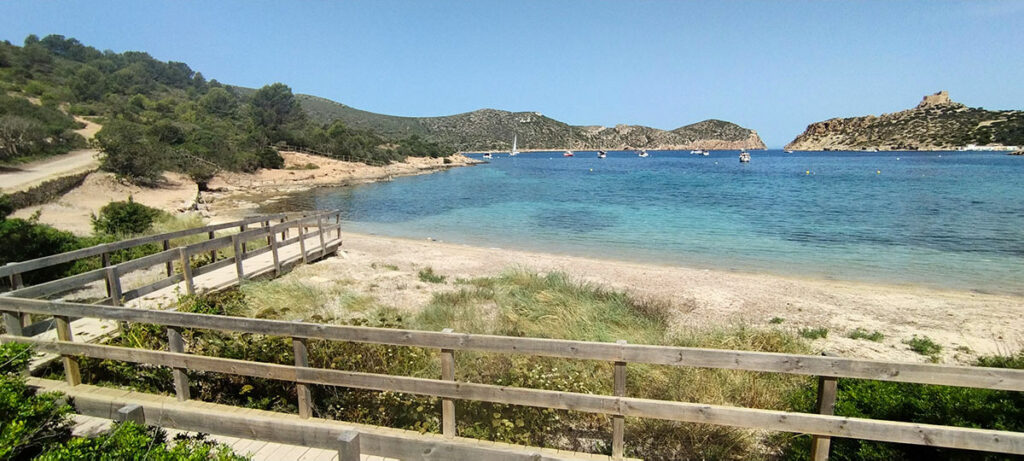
808 171
878 171
897 158
591 169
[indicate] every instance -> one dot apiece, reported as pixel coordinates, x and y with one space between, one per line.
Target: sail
514 138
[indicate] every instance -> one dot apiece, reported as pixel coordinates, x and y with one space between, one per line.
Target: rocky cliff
937 123
490 129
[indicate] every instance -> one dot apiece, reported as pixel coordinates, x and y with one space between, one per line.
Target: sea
950 220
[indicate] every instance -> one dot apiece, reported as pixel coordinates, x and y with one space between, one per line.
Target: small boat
744 157
642 153
514 151
568 153
488 155
699 152
601 154
788 151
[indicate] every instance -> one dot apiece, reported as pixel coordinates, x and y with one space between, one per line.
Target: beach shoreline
966 324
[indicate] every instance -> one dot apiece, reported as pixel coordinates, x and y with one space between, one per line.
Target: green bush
24 240
29 421
6 207
125 218
428 275
130 441
814 333
925 346
917 403
860 333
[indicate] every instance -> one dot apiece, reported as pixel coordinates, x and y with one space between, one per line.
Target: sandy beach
966 324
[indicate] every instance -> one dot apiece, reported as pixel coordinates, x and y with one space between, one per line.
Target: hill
937 123
491 129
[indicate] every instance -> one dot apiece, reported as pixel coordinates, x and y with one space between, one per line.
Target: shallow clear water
947 219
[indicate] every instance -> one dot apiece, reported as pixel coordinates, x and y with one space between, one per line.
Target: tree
129 154
18 136
88 84
218 102
273 108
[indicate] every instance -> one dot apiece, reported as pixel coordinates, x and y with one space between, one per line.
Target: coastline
966 324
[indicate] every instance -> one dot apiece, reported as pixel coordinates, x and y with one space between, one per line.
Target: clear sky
771 66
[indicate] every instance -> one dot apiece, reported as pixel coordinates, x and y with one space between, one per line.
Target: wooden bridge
348 441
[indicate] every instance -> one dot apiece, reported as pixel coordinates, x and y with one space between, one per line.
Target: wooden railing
276 236
822 425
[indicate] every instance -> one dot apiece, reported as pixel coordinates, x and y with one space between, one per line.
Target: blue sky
771 66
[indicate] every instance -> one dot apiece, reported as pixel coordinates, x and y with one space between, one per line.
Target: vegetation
776 320
30 130
428 275
36 426
860 333
517 303
125 218
918 403
160 116
925 346
814 333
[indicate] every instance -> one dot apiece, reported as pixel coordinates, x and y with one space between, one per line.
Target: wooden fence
822 425
276 236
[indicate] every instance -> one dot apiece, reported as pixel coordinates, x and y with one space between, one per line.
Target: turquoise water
945 219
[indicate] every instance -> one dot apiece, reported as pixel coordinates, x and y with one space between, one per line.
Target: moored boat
642 153
568 153
488 155
744 157
601 154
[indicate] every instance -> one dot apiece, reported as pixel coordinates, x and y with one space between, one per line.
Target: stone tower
937 99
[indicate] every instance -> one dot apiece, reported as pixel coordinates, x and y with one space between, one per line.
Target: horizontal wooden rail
98 250
836 426
289 429
949 375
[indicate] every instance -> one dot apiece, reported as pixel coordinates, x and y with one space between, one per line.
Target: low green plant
428 275
125 218
924 345
917 403
131 441
860 333
813 333
390 267
776 320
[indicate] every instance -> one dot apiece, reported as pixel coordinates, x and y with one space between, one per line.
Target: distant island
490 129
937 123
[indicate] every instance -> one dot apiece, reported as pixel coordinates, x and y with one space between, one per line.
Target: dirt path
22 177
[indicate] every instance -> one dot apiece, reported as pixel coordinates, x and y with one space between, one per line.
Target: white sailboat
514 151
568 152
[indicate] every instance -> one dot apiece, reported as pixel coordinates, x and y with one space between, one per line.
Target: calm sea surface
945 219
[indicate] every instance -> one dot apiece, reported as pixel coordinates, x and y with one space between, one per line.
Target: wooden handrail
770 362
827 425
97 250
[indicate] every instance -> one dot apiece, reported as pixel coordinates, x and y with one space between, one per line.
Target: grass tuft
814 333
861 333
428 275
925 346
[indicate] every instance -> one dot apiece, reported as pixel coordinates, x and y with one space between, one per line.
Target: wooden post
284 231
105 258
448 405
618 421
213 252
337 221
175 343
323 244
71 371
348 446
13 323
302 245
238 258
266 227
170 265
302 360
272 240
25 319
186 271
114 282
133 413
826 406
243 228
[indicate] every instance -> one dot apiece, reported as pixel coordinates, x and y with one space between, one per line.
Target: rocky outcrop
937 123
490 129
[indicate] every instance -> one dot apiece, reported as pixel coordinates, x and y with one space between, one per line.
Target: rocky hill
490 129
937 123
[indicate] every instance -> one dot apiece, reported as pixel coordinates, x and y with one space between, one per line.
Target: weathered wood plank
884 431
59 285
175 343
71 371
825 406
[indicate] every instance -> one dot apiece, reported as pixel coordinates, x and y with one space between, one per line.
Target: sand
72 211
984 323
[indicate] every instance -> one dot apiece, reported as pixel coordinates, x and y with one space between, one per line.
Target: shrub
6 207
125 218
917 403
24 240
29 420
129 154
861 333
924 345
814 333
776 320
428 275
